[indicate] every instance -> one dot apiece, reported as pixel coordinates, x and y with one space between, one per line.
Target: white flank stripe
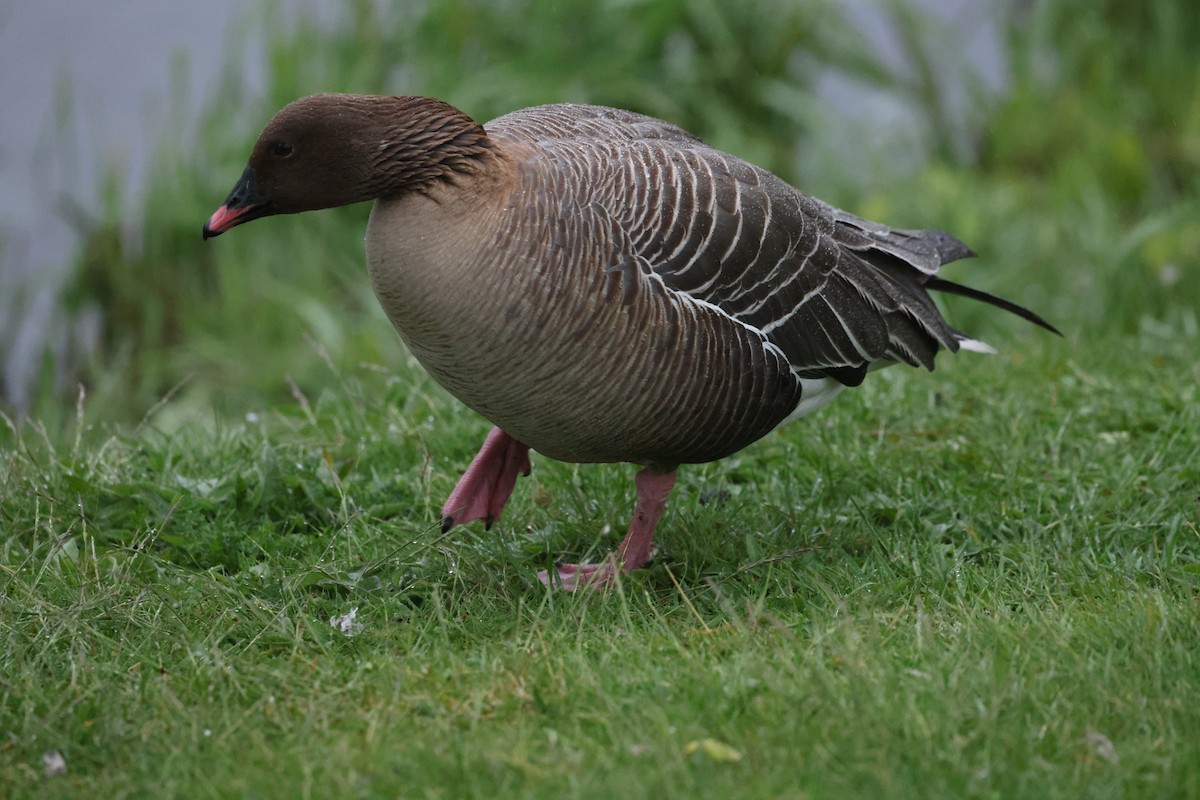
815 393
686 240
976 346
803 301
712 212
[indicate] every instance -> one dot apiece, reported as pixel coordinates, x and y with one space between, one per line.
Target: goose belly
568 363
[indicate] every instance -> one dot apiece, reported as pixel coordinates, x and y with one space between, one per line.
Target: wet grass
982 582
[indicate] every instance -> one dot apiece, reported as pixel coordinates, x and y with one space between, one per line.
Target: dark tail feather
948 248
950 287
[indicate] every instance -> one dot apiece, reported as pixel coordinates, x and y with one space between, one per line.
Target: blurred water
82 86
85 86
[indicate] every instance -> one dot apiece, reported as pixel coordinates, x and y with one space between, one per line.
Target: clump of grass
979 582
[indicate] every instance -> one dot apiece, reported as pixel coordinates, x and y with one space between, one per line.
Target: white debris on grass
1102 746
347 623
54 763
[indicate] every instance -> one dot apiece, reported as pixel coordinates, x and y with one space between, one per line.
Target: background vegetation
981 582
1078 183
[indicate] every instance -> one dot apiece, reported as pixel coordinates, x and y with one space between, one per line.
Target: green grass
977 583
982 583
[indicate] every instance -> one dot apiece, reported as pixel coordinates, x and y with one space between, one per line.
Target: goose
602 286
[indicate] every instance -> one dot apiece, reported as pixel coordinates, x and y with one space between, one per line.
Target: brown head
331 150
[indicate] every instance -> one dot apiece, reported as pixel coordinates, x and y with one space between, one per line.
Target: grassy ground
977 583
983 582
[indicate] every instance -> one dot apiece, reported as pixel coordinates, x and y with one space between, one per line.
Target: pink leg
485 487
634 551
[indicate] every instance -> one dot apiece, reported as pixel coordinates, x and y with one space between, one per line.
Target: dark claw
447 523
487 523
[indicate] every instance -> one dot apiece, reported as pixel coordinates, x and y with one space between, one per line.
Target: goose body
602 286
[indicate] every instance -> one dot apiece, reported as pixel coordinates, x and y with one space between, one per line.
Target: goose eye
282 149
